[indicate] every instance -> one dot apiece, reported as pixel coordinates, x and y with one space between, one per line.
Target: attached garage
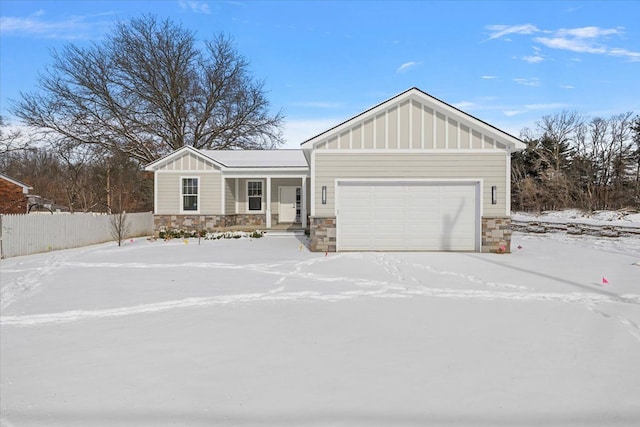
408 215
411 174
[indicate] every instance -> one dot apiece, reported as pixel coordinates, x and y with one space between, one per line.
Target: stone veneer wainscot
496 233
323 234
206 222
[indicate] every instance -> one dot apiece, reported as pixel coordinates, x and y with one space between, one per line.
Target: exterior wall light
494 195
324 194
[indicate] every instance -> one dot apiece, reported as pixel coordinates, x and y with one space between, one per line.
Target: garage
419 215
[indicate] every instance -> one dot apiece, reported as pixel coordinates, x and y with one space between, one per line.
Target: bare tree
635 156
11 140
557 133
572 162
622 166
148 89
119 226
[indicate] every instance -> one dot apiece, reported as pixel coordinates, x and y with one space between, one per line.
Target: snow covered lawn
262 332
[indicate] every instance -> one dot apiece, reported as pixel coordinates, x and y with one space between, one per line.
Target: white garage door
407 216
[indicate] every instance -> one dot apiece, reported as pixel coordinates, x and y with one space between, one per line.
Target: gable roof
223 159
258 158
157 164
25 187
513 143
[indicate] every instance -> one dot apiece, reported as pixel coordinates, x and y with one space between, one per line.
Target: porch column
223 192
303 203
237 196
268 207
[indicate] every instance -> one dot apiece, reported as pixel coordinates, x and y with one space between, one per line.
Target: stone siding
251 220
496 234
205 222
323 234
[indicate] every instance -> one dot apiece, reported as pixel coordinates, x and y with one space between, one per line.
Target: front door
288 204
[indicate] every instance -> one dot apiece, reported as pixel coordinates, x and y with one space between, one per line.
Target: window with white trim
189 194
254 194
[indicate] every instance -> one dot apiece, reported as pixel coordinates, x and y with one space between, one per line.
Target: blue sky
507 63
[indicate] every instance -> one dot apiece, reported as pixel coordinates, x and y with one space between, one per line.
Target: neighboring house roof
258 158
417 94
25 187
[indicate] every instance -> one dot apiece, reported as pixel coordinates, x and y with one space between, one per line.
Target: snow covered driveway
263 332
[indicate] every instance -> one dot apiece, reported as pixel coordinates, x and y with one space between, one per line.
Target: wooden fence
34 233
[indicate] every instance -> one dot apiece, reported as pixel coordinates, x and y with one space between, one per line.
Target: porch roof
258 158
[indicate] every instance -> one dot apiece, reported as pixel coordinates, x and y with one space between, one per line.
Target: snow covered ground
577 216
263 332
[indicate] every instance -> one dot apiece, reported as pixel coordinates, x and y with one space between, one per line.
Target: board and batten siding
230 196
168 192
188 162
489 166
412 125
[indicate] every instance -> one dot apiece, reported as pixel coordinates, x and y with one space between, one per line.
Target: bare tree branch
147 90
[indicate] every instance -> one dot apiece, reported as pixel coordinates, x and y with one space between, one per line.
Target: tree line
573 161
81 181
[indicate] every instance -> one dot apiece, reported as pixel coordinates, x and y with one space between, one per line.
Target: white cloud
296 131
72 27
631 56
464 104
574 45
498 31
591 39
489 77
511 113
567 87
406 66
533 59
318 104
588 32
534 82
195 6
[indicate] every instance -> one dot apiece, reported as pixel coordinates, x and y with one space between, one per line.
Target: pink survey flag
605 281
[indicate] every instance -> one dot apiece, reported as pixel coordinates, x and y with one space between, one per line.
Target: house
412 173
207 189
13 195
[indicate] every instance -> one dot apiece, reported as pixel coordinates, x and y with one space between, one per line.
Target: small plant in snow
207 235
176 234
233 235
119 226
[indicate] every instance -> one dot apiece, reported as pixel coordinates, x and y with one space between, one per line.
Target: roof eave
155 165
16 182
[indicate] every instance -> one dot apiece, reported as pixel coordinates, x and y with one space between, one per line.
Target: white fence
34 233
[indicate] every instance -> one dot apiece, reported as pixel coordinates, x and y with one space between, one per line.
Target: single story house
410 174
13 195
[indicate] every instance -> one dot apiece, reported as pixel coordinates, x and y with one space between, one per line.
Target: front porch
248 202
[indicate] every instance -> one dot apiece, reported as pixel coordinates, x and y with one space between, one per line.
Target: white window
254 194
190 194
